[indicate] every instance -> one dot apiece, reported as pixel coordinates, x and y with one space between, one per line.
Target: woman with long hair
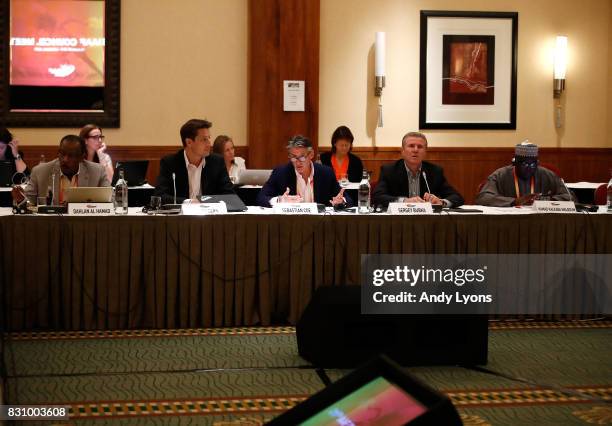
96 148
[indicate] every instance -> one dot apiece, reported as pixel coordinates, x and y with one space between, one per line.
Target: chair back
601 194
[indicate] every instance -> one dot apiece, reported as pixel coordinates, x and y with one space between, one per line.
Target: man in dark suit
196 170
413 180
301 180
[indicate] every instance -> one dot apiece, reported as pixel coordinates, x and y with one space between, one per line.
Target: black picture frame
459 116
108 117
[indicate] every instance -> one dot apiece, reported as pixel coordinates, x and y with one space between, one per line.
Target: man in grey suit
70 168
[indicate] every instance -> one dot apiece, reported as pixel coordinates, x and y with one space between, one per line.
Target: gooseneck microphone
426 183
566 189
172 208
174 185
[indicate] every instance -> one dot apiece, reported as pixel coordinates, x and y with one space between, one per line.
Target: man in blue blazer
301 180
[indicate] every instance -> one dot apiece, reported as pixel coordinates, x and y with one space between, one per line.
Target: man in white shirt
193 170
301 180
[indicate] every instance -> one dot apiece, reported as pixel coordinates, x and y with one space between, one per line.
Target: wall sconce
379 72
560 66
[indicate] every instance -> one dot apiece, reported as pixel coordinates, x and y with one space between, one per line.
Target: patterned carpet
547 373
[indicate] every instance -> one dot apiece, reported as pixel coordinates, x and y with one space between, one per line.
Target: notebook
85 194
7 169
253 177
232 201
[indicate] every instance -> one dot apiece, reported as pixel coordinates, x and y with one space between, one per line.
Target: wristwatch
18 157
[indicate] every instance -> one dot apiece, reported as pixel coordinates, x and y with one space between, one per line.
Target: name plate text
410 208
203 209
91 209
296 208
554 206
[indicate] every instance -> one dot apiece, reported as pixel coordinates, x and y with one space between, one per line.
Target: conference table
141 271
138 196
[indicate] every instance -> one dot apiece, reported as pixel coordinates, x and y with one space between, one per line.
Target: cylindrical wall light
379 68
560 66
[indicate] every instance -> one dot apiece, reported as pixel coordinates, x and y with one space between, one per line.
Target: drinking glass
155 203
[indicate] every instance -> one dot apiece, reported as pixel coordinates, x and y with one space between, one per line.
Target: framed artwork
59 63
468 64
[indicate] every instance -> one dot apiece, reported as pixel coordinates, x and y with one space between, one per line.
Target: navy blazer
215 179
355 167
325 188
393 183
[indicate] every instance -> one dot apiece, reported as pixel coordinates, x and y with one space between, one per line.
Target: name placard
410 208
554 206
296 208
90 209
203 209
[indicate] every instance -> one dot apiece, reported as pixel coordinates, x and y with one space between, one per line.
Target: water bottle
42 159
609 191
363 204
121 195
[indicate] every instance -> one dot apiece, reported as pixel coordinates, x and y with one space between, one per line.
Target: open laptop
253 177
135 172
86 194
232 201
7 169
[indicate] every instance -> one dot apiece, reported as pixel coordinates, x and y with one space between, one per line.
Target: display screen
378 402
57 43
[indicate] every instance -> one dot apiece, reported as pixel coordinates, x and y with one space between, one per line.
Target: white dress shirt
305 188
236 168
194 173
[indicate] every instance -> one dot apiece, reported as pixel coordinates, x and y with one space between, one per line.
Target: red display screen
379 402
57 43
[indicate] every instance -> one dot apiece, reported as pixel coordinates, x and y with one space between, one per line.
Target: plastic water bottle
363 203
121 195
609 191
42 159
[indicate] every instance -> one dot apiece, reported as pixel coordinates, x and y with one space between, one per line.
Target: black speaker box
332 333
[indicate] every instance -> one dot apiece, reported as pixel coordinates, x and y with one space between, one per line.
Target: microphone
426 183
54 200
174 185
567 189
172 208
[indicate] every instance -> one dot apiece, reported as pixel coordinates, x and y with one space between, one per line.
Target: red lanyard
516 185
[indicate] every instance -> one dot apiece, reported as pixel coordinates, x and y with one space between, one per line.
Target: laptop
232 201
253 177
85 194
7 169
134 171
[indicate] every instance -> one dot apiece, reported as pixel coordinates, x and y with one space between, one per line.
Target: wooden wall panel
283 45
465 168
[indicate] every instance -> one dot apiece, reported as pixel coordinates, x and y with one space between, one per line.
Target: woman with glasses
347 167
224 146
96 148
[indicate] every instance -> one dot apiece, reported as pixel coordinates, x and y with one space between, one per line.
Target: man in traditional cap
522 182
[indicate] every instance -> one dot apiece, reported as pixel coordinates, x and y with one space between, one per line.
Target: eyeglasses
98 137
301 158
528 165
